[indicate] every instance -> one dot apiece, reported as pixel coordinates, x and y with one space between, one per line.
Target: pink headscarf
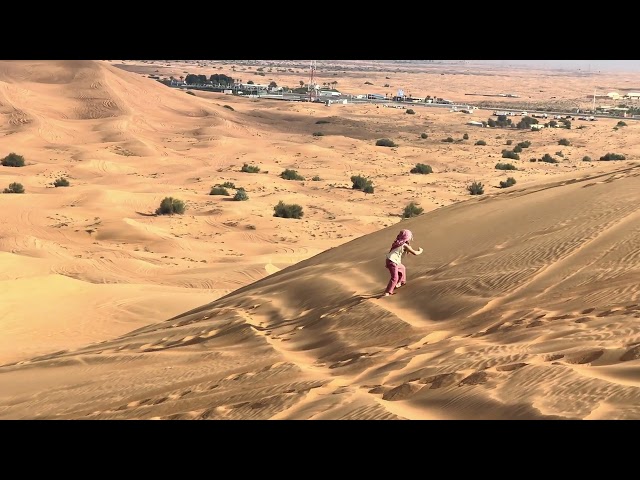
403 237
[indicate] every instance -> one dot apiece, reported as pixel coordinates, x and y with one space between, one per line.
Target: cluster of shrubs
284 210
13 160
505 166
506 184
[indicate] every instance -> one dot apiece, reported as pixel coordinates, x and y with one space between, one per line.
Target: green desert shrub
410 111
621 124
61 182
385 142
250 168
510 154
448 140
320 122
13 160
170 206
586 158
476 188
506 184
612 156
412 210
517 149
291 175
228 185
525 144
481 142
504 166
316 178
284 210
509 142
564 142
368 188
14 188
465 136
240 195
318 134
360 182
422 168
424 135
548 159
219 191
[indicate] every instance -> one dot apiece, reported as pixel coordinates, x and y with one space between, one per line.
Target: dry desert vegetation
523 306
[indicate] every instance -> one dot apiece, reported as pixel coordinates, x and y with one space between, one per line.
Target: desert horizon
522 305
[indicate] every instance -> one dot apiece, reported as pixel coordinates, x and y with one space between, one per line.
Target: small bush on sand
412 210
612 156
422 168
505 166
13 160
360 182
424 135
525 144
219 191
564 142
291 175
509 142
385 142
316 178
368 189
465 136
318 134
476 188
510 154
586 158
410 111
14 188
448 140
506 184
481 142
320 122
170 206
548 159
228 185
250 168
61 182
284 210
241 195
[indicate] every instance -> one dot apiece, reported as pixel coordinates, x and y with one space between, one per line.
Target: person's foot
399 285
387 294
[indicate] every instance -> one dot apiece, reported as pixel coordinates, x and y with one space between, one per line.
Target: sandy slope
523 307
89 263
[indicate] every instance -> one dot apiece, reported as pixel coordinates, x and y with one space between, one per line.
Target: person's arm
410 249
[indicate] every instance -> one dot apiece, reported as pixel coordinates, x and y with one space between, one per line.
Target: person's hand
420 251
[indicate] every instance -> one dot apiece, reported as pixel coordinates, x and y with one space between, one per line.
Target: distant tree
273 85
301 83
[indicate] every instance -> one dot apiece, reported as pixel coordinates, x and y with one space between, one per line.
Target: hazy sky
601 65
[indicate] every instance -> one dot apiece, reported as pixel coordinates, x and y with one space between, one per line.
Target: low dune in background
521 307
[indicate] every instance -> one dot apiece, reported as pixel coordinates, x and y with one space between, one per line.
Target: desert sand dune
521 307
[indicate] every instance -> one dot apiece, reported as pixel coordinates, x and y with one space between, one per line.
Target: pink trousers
398 275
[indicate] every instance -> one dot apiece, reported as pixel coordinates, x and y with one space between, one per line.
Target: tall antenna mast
594 101
312 85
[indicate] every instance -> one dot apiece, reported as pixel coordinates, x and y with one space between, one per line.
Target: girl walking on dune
394 264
